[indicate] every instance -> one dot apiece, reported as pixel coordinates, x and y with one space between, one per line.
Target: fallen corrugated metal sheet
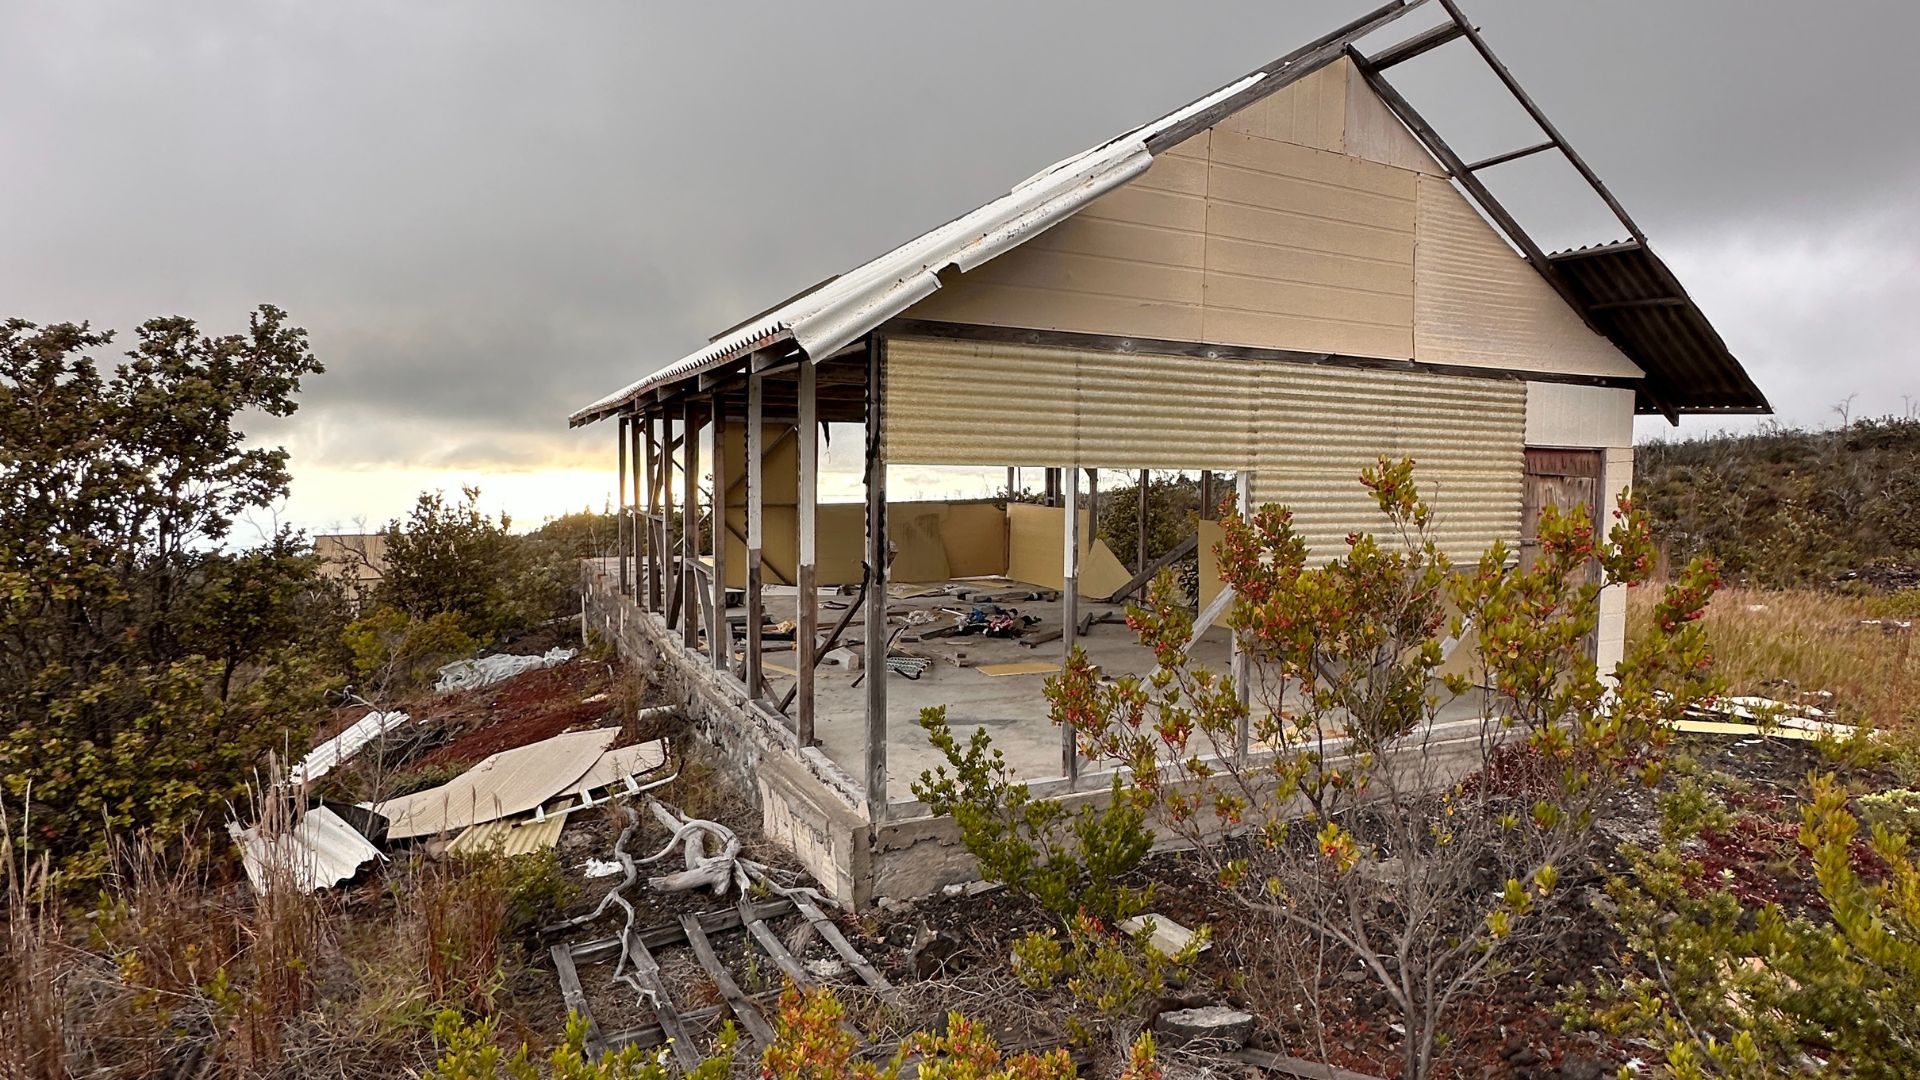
320 850
508 783
509 838
322 759
614 766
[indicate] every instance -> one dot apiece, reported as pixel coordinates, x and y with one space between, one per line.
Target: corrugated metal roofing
1674 344
1634 298
508 783
825 319
318 851
509 838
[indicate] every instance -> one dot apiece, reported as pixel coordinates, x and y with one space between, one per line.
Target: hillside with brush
1787 507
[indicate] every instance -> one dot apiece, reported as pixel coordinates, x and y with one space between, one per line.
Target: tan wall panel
1210 536
1374 133
1311 112
1036 551
975 535
1477 302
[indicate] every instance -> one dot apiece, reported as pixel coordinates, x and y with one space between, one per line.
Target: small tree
448 558
1423 848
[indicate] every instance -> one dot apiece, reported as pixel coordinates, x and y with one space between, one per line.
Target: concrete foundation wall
807 804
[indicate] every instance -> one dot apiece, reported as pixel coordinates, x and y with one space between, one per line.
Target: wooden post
806 634
1070 608
1242 668
876 662
638 537
669 558
1093 506
756 524
719 631
1206 495
689 525
651 518
1013 478
620 519
1140 501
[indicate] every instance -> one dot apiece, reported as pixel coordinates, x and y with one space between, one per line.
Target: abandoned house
1264 290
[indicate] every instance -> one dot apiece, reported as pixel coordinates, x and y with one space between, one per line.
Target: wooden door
1563 478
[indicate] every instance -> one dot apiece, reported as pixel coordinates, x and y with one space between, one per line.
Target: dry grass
179 969
1795 644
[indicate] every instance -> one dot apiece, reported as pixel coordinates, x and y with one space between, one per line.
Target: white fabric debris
320 850
474 674
598 868
321 759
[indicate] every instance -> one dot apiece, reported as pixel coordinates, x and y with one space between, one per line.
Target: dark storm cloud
488 214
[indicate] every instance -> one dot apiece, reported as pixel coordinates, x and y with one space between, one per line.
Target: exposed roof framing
1622 290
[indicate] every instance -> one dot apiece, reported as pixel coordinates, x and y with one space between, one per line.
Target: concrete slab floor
1012 708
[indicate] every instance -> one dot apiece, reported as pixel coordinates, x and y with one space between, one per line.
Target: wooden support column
1206 495
651 516
719 631
689 525
1093 505
806 620
1013 478
1140 503
1070 609
876 661
1242 668
756 525
669 551
620 519
634 525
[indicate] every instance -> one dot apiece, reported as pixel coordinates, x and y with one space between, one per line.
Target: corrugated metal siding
1319 428
1306 430
994 403
1477 302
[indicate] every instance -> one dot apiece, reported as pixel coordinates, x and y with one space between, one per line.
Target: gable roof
1674 344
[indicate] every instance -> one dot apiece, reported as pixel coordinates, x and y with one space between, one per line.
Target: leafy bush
469 1051
1741 992
812 1043
1067 861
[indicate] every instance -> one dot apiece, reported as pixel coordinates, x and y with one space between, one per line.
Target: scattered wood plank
743 1010
769 941
846 950
1180 551
659 937
1296 1067
646 972
576 997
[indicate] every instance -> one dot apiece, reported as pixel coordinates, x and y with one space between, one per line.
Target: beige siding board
1311 112
1042 309
1100 275
1570 415
1312 232
1120 240
1184 173
1477 302
1281 261
1262 294
1375 134
1307 335
1331 169
1144 206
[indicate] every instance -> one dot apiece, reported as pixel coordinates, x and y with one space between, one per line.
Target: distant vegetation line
1785 507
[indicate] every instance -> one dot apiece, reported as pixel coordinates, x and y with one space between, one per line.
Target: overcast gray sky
488 214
